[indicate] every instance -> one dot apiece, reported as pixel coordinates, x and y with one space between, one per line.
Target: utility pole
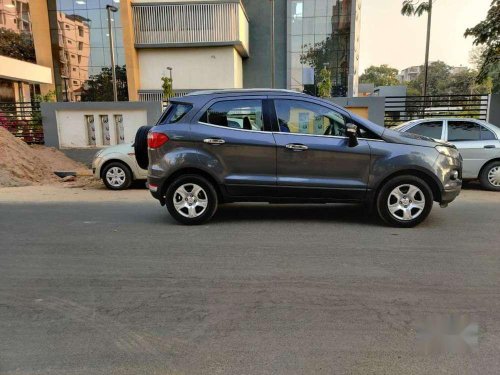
273 83
111 8
426 66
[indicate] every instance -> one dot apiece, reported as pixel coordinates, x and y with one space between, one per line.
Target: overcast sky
387 37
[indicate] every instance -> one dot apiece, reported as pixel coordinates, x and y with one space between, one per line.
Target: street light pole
111 8
273 83
428 40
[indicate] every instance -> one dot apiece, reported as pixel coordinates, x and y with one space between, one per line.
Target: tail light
156 140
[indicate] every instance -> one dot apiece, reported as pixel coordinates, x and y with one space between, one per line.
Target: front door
314 159
232 134
474 142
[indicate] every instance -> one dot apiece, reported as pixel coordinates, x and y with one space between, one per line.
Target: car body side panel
476 155
390 158
328 163
122 153
247 158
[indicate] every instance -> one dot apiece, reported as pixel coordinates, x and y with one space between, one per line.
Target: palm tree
417 8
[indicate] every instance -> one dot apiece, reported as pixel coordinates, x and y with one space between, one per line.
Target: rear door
476 144
313 156
233 134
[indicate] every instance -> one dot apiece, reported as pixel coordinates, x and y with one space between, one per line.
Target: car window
295 116
486 134
463 131
175 112
243 114
431 129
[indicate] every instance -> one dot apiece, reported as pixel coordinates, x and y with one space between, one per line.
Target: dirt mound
21 164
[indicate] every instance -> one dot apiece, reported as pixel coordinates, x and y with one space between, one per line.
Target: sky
387 37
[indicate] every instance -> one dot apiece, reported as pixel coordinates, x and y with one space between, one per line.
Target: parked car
282 146
477 141
116 166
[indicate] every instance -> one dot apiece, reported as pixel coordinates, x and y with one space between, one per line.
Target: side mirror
352 133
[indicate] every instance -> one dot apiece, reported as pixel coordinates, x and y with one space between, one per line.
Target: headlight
448 151
98 153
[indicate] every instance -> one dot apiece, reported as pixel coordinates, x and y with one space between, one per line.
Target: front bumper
449 194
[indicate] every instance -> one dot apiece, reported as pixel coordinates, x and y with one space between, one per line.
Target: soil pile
22 164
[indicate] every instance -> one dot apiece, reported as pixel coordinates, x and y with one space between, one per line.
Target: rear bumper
155 184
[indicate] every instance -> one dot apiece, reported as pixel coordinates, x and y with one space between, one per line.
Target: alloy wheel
190 200
406 202
116 176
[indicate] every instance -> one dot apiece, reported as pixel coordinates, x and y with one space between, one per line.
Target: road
97 282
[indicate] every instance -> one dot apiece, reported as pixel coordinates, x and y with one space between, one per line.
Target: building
204 44
411 73
20 71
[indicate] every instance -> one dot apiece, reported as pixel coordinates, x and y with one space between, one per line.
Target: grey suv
214 147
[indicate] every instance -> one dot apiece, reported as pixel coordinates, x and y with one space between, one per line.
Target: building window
319 36
80 31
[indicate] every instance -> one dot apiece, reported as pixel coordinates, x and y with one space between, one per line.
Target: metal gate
399 109
23 119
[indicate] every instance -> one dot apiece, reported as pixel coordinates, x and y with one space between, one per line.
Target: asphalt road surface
116 287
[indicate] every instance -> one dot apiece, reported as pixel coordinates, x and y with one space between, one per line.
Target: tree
382 75
487 34
417 8
99 88
438 75
18 46
464 83
166 86
325 84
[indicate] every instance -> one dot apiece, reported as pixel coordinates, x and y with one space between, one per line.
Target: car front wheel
490 176
404 201
117 176
191 199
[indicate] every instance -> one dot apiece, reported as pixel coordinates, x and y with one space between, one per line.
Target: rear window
175 112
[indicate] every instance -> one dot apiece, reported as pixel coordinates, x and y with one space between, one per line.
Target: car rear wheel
191 199
490 176
141 146
404 201
117 176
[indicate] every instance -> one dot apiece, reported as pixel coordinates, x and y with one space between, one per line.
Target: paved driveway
94 283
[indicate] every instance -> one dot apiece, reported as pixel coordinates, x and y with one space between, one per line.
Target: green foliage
18 46
167 87
99 88
325 84
441 81
487 34
50 96
382 75
414 7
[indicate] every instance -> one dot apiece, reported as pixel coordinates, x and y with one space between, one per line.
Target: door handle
214 141
296 147
490 146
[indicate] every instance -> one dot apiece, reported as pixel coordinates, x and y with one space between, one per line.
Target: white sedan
477 141
116 166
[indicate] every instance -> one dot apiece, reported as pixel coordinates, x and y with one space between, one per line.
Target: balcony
191 25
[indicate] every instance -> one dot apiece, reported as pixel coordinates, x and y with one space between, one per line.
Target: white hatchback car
477 141
116 166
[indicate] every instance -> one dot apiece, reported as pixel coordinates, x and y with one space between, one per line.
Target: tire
490 176
141 146
202 205
117 176
404 201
